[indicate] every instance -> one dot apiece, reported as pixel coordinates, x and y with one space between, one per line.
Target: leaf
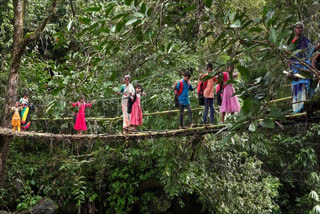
93 9
295 52
208 3
128 2
255 29
131 21
284 34
143 8
226 140
246 105
314 195
244 71
69 24
236 24
253 126
84 20
316 209
273 36
276 115
137 14
267 123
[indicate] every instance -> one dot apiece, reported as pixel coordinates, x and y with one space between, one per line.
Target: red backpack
178 93
180 88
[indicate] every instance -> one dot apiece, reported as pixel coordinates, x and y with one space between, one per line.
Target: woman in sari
301 87
25 119
127 90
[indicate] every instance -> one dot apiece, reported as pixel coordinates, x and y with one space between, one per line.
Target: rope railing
115 118
144 114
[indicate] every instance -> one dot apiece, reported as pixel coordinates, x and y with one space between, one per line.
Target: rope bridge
201 130
138 135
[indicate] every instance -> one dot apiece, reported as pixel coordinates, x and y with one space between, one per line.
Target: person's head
230 67
16 104
209 67
26 95
186 76
82 99
138 88
298 28
127 79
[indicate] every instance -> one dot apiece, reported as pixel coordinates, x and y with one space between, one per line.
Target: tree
20 42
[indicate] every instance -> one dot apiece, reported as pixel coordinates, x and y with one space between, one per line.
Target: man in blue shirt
183 87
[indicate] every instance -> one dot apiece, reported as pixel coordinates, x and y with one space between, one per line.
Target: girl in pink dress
136 111
230 103
80 123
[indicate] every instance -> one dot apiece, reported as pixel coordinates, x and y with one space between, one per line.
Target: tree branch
35 35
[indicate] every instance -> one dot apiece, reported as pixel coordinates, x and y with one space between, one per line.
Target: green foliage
90 46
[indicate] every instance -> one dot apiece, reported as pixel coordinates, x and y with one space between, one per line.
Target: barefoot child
16 122
80 123
183 87
136 111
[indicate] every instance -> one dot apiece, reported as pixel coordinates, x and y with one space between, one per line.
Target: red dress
80 123
136 112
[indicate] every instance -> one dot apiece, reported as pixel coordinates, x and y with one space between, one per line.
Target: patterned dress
136 113
80 124
25 119
301 88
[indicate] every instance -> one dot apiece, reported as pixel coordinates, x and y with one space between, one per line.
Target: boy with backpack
182 88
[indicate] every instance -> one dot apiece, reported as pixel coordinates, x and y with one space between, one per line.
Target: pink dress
229 103
136 112
80 123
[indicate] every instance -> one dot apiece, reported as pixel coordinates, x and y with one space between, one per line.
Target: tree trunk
18 48
11 97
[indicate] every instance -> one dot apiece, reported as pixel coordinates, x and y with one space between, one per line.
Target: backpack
131 102
201 86
200 93
178 93
219 95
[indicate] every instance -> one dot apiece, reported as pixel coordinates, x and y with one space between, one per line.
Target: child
136 111
230 103
80 124
183 87
16 122
208 95
127 91
25 120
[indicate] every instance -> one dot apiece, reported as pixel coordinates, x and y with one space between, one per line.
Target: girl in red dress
80 123
136 111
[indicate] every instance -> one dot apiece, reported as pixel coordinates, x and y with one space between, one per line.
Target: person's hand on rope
143 94
93 101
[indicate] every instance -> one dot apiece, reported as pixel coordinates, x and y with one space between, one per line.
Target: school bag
201 86
131 102
178 93
220 91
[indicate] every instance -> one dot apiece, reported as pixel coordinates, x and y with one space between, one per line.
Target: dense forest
264 159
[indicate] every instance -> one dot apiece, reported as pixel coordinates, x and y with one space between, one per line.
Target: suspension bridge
198 130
